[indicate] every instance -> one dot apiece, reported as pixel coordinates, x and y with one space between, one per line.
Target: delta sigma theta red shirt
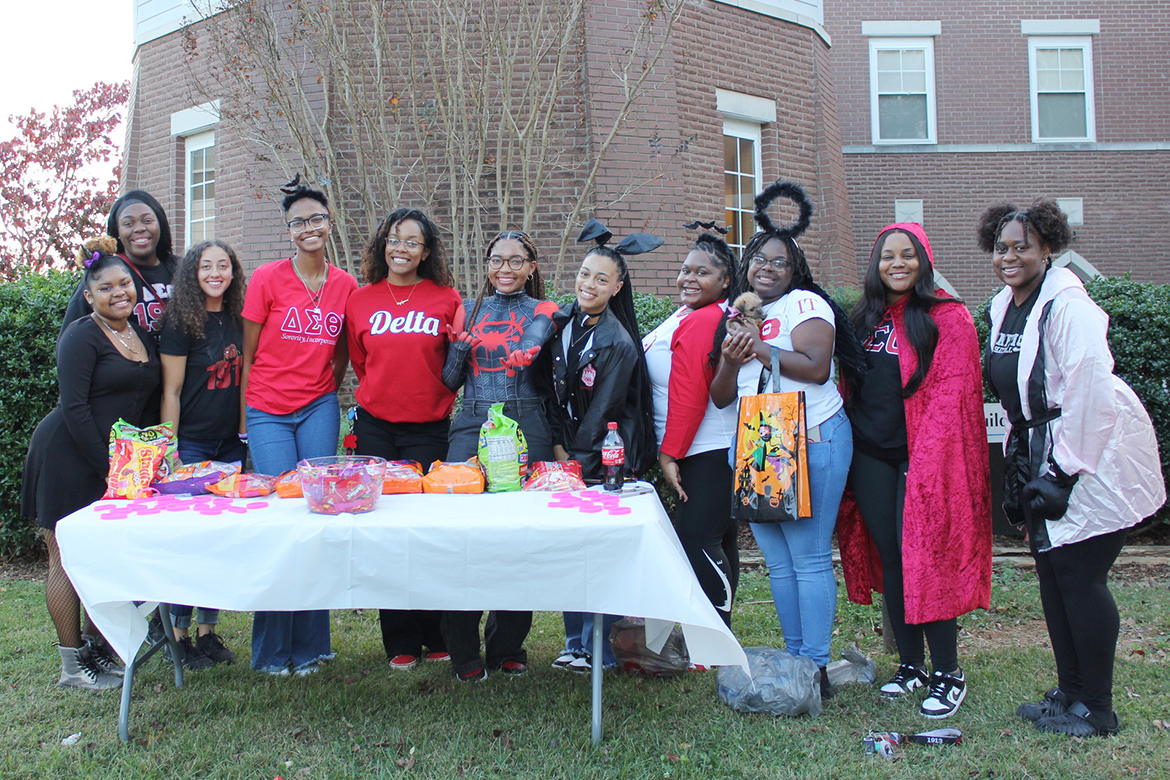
294 359
397 345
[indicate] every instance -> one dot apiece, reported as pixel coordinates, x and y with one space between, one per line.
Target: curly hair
187 307
96 255
434 264
1043 217
296 190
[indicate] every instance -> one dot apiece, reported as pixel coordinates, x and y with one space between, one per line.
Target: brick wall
981 74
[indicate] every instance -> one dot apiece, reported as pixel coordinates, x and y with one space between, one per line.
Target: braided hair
533 286
1043 217
721 255
846 346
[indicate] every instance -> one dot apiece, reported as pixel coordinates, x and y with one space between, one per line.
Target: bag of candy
342 483
503 451
162 434
194 478
555 475
243 485
402 476
288 485
132 467
463 477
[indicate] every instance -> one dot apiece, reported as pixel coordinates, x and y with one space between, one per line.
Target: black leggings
879 488
1082 617
405 631
705 528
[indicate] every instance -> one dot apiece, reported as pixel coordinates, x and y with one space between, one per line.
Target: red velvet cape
946 520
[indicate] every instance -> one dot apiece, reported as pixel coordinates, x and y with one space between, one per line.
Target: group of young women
896 442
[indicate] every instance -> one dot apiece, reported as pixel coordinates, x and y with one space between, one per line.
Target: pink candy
203 504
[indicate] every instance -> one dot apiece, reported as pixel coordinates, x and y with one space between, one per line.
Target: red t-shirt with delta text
294 360
397 349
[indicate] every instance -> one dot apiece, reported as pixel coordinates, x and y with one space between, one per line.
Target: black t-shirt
152 283
1004 360
878 416
209 403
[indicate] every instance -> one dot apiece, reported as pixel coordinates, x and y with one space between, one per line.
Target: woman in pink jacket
1081 460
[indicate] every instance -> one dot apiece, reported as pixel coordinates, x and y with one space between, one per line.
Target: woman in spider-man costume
507 324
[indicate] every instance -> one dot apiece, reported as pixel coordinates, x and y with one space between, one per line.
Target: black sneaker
190 657
1054 703
212 647
907 679
1079 721
154 631
827 691
947 692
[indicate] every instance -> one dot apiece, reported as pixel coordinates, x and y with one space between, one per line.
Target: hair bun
98 245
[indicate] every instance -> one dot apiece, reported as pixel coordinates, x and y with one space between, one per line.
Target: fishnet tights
61 598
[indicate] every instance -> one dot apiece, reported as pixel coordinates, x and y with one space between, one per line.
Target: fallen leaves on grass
407 761
1164 725
505 741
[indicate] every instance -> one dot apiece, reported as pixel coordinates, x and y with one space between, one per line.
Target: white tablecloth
491 551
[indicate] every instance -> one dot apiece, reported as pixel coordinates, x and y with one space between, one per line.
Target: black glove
1047 496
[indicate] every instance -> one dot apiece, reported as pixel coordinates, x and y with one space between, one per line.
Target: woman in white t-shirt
693 435
803 324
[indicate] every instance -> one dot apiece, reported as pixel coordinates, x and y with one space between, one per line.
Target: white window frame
191 144
925 44
1085 43
751 131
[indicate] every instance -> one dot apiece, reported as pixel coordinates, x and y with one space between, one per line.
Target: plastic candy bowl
342 483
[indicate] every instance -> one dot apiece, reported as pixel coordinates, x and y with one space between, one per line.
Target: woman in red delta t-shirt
294 359
397 327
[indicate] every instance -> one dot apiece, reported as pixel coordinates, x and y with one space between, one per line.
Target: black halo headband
633 244
793 192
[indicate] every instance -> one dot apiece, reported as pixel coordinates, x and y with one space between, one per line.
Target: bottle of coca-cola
613 457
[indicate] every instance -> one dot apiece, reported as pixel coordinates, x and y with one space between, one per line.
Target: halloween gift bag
770 480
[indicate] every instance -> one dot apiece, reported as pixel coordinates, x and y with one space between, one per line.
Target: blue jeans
579 635
799 553
278 442
193 451
222 450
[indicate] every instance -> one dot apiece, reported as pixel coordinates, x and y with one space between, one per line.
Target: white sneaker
78 671
580 665
947 692
907 679
564 659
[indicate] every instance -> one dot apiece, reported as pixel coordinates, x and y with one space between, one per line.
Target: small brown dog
747 311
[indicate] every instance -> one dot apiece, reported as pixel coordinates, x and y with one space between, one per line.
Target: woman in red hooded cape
915 522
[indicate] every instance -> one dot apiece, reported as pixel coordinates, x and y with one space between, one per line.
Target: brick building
947 107
743 95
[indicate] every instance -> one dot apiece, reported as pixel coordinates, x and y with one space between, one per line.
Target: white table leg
598 671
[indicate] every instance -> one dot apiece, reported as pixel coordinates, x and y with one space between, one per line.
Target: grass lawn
357 720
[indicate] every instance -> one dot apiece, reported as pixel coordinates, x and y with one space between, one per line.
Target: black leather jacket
609 385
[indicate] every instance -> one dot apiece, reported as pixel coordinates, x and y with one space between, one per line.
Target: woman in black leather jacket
598 375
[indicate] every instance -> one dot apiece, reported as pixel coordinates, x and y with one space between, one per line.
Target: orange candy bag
243 486
402 476
289 485
454 477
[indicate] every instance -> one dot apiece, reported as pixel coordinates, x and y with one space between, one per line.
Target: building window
741 178
1061 75
902 100
200 187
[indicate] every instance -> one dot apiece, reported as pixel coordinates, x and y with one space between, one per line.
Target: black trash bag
778 684
628 638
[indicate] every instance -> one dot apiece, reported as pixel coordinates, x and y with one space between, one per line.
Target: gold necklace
127 344
314 298
397 302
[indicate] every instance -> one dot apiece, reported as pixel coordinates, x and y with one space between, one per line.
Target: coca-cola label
613 456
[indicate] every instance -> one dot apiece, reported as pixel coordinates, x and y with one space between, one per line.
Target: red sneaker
404 661
513 668
437 655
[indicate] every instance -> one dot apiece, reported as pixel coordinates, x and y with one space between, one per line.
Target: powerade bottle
613 457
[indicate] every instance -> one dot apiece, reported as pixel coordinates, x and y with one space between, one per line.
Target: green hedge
1139 337
30 318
